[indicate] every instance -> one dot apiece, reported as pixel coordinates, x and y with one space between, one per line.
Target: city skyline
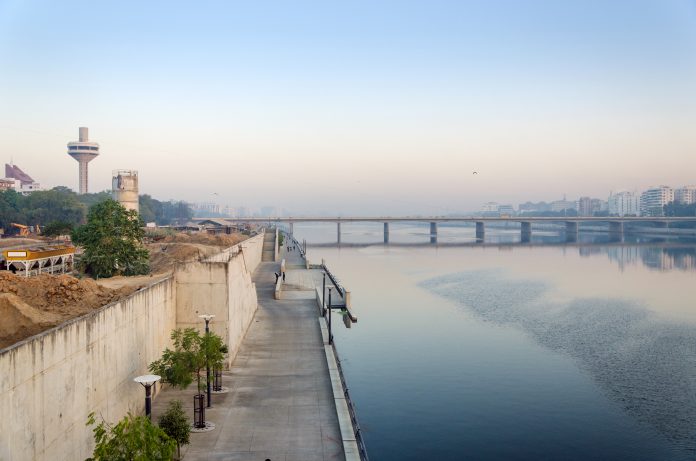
361 108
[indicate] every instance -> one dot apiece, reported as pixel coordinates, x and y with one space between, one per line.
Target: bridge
572 224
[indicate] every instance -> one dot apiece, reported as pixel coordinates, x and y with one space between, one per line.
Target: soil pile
178 248
31 305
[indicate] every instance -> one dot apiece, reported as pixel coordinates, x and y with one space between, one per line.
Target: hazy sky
354 107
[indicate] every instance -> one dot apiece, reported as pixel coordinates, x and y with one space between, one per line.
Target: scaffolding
40 260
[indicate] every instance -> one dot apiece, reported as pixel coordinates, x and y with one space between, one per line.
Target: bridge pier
526 231
338 232
616 227
433 232
386 232
571 231
480 230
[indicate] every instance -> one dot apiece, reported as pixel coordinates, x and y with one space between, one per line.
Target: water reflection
656 254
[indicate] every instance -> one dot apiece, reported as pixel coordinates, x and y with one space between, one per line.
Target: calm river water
560 352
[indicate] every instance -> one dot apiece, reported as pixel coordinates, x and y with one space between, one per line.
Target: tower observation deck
84 151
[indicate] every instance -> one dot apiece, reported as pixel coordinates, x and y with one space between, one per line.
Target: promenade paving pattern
280 404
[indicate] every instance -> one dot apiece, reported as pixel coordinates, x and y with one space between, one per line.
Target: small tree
174 423
192 352
112 239
134 438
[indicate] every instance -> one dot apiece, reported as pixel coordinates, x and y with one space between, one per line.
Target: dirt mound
183 247
219 240
20 320
40 302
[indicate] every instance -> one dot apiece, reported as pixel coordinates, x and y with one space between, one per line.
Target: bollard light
147 382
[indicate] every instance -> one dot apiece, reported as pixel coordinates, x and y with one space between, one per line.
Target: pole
330 334
207 366
323 296
148 401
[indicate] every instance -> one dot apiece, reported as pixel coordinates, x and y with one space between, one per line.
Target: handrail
362 449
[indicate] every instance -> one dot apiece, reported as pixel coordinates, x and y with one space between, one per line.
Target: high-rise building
654 199
685 195
623 203
584 206
84 152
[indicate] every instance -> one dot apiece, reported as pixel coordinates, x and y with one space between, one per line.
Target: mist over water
502 350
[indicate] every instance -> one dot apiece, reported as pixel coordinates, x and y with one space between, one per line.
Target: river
517 352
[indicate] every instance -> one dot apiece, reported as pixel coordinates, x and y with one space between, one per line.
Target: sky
360 107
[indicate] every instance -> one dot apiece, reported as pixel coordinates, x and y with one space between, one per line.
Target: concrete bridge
572 224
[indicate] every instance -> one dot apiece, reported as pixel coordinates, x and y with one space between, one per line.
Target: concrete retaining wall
49 383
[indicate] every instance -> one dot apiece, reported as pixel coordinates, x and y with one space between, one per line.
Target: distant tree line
61 209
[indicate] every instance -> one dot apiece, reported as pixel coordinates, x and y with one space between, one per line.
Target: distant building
685 195
206 207
23 183
654 199
506 210
623 203
489 207
84 151
560 205
584 206
124 188
9 184
530 207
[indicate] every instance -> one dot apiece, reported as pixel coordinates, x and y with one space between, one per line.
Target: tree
175 424
134 438
55 228
192 353
112 239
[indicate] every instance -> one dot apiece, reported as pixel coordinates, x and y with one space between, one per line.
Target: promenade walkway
280 404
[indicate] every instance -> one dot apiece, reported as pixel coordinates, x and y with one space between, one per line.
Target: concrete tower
124 187
84 152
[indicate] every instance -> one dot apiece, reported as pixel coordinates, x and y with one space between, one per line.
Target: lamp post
330 334
323 296
207 318
148 381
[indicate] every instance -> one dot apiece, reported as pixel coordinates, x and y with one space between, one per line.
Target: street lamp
207 318
330 334
148 381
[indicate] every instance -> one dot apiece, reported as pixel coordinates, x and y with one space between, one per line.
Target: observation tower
84 152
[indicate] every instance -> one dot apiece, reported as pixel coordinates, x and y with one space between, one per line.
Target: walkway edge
350 445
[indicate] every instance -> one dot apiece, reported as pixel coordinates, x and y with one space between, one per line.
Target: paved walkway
280 405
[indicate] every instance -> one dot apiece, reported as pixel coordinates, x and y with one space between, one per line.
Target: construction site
40 288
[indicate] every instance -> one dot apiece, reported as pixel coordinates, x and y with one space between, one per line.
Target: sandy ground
31 305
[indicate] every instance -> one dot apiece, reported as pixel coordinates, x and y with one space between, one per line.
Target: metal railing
351 408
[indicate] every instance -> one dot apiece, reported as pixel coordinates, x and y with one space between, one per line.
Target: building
562 205
584 206
623 203
124 188
531 208
598 206
685 195
489 209
506 210
84 151
21 182
654 199
9 184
